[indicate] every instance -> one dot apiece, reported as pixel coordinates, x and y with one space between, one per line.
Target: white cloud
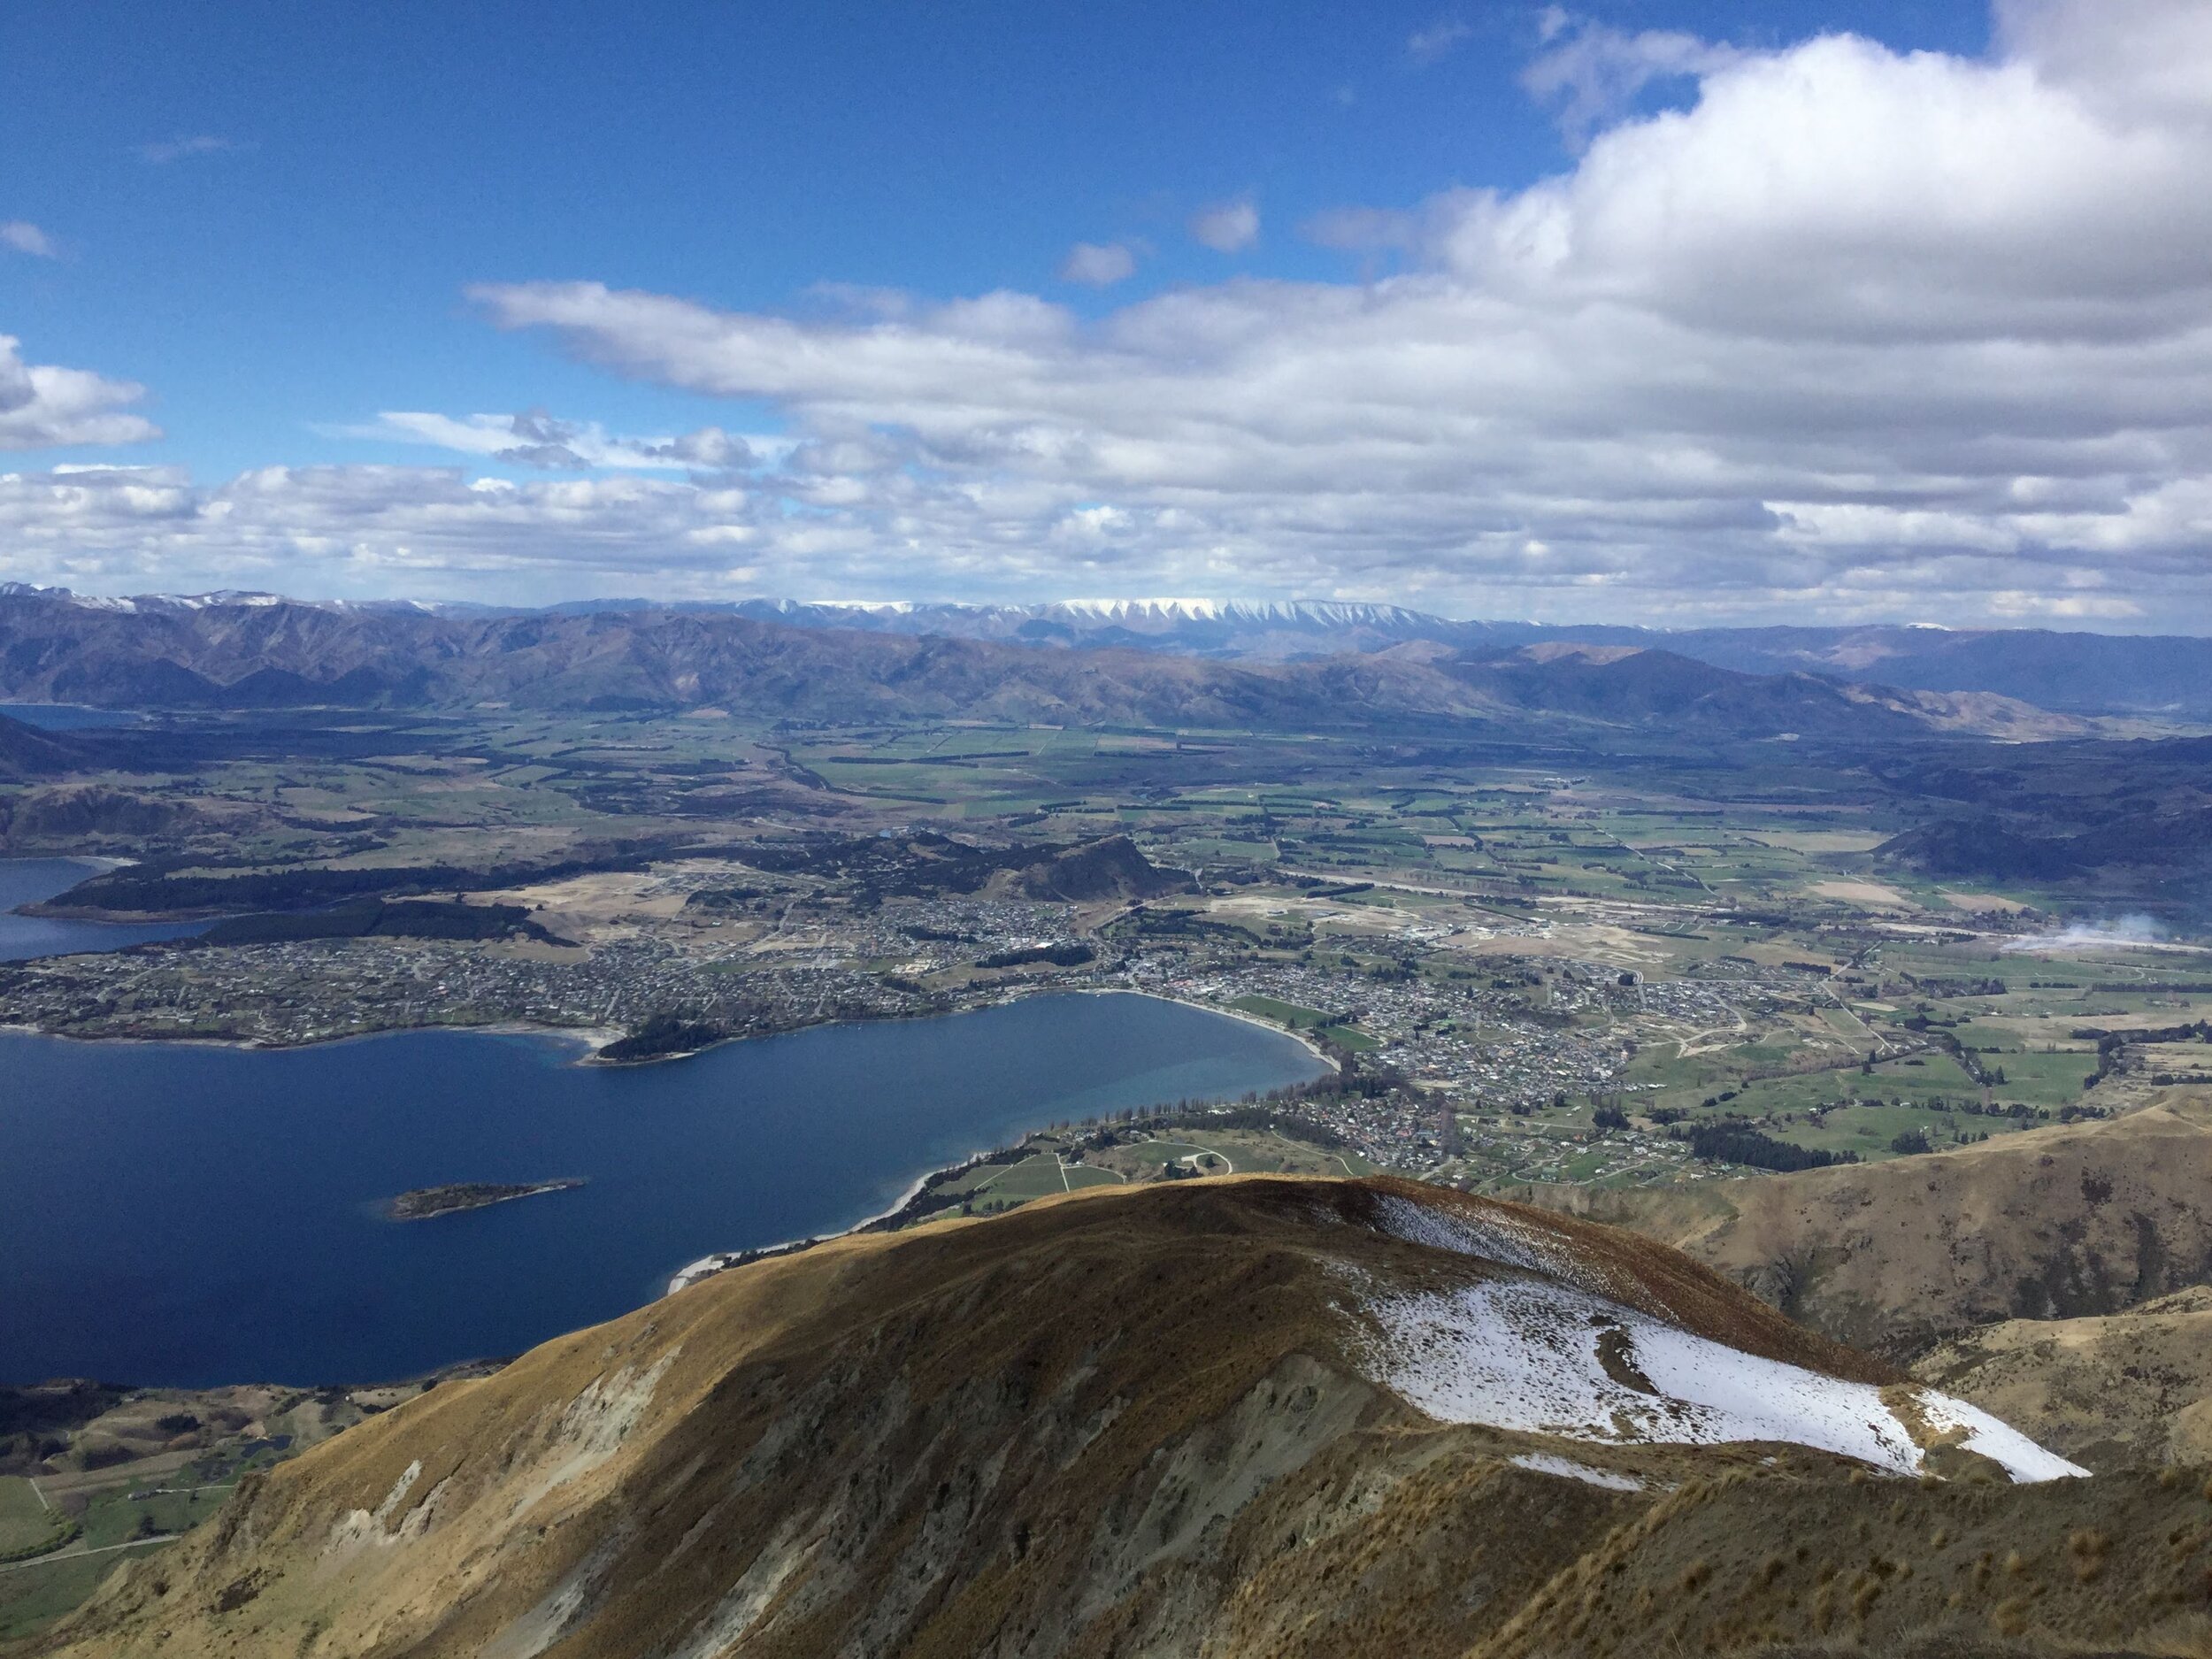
45 407
25 237
1856 327
1227 227
536 439
2131 59
182 148
1856 334
1592 72
1426 46
1099 264
436 531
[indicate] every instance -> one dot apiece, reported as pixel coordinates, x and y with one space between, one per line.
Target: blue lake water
189 1216
29 880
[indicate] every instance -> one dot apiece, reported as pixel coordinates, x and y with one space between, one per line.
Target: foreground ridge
1254 1415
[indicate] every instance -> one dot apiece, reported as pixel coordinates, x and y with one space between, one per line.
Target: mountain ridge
1169 1418
2078 672
257 651
27 752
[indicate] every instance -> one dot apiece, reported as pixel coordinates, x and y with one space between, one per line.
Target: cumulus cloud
45 407
1855 333
439 531
184 147
1227 227
25 237
1100 264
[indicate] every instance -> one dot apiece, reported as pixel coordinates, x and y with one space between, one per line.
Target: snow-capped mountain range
2081 673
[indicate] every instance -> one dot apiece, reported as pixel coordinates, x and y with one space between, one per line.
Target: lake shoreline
268 1182
721 1261
591 1039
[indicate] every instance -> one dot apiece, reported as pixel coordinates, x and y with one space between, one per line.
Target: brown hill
2108 1391
1112 868
27 752
1259 1416
2079 1219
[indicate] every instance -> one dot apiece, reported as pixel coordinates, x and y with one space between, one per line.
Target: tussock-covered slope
2107 1390
2061 1223
1229 1417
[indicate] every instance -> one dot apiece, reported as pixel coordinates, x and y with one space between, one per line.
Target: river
187 1216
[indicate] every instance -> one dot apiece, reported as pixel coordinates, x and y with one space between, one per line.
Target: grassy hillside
2108 1390
2074 1220
1155 1420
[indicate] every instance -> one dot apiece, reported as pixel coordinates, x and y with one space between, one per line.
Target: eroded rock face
1147 1420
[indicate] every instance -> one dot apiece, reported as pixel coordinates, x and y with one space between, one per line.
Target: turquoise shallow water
186 1216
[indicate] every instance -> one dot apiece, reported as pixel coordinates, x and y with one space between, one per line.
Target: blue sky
284 223
372 162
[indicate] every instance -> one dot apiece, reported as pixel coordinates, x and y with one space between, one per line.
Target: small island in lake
426 1202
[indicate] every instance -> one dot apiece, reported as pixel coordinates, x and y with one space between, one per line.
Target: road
75 1555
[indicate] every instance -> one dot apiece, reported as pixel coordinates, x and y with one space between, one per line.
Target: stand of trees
413 918
663 1034
1741 1143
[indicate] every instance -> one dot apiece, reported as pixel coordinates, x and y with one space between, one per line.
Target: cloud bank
1853 333
535 439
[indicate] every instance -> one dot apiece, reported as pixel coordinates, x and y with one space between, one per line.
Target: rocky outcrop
77 817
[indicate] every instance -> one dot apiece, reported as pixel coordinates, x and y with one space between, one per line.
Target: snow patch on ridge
1497 1237
1547 1358
1567 1468
1992 1437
